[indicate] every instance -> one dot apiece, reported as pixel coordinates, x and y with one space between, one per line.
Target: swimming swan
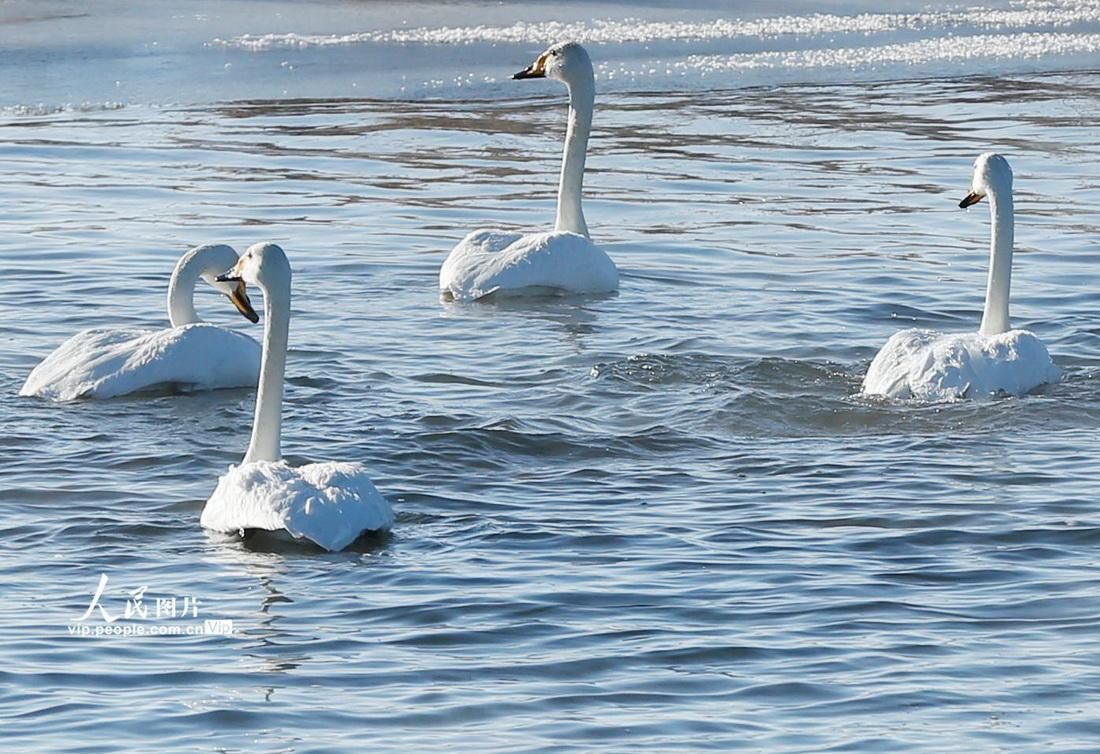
330 504
504 262
932 366
105 362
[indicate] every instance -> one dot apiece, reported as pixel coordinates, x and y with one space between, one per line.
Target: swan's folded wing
1017 362
193 357
330 504
889 373
560 262
344 504
463 271
112 362
78 366
931 366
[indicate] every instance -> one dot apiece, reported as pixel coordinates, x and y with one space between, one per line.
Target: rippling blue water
661 519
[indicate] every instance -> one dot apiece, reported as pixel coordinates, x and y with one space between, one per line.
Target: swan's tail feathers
330 504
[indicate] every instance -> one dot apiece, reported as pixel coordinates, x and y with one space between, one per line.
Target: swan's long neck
995 317
582 96
267 425
181 291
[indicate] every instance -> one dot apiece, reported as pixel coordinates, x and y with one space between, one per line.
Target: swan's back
931 366
503 262
330 504
109 362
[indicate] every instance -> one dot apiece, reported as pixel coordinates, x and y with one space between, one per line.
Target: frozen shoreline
158 54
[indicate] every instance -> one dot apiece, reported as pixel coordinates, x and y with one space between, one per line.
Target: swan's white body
501 262
933 366
189 355
329 504
508 263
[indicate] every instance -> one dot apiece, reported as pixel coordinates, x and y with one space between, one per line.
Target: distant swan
106 362
330 504
504 262
932 366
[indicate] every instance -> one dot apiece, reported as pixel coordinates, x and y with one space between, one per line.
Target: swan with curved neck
928 365
993 179
204 263
501 262
190 355
268 268
330 504
569 62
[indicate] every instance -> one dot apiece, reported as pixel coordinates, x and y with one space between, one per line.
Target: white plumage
933 366
190 355
503 262
108 362
329 504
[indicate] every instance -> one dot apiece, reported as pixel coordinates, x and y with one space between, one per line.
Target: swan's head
565 61
212 260
991 173
264 264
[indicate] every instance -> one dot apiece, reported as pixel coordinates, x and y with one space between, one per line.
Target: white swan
105 362
504 262
932 366
330 504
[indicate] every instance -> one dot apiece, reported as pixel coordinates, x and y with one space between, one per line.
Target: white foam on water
943 49
1032 16
42 108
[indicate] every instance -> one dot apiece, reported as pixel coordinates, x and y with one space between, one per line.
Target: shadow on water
282 543
573 316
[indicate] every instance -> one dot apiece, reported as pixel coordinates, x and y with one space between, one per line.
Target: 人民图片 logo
159 616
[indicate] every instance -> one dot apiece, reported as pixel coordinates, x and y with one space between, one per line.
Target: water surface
662 518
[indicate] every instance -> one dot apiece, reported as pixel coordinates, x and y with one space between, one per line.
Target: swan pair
330 504
916 363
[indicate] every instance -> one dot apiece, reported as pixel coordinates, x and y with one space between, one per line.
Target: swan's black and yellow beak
536 70
970 199
233 274
239 297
